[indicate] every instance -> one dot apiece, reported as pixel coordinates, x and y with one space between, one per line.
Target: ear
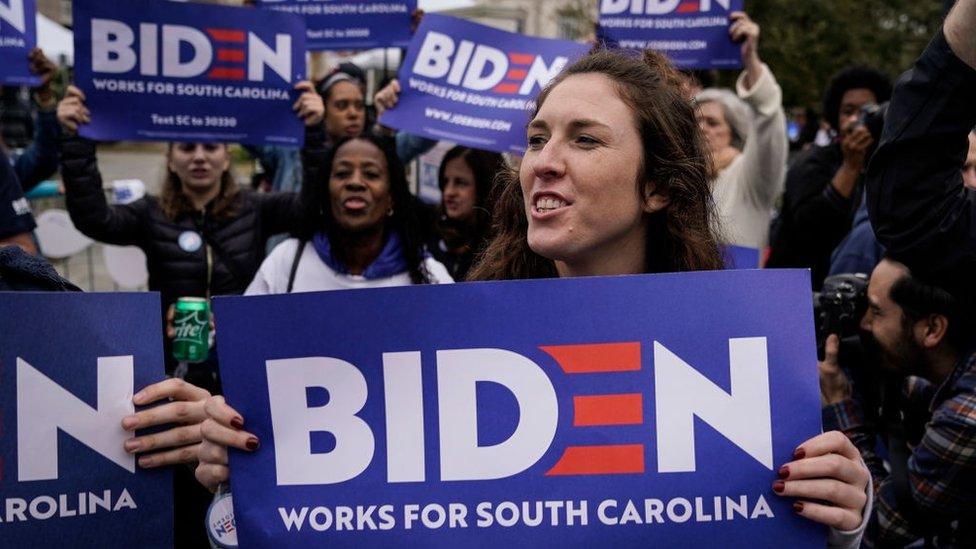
654 201
933 330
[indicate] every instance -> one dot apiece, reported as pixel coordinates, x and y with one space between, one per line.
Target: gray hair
737 113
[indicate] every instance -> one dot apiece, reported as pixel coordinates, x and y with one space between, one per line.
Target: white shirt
746 190
313 275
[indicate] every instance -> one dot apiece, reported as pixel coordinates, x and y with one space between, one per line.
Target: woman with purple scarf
359 230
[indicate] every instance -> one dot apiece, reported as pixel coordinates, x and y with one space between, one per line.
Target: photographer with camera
924 335
823 186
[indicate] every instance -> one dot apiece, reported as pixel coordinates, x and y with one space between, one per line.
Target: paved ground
125 161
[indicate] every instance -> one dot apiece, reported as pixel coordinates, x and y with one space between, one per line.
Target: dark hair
852 78
174 201
947 295
329 83
680 237
317 205
485 166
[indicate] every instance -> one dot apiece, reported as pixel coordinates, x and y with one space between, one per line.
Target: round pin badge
190 241
221 526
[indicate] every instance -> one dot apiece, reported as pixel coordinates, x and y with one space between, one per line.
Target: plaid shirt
941 467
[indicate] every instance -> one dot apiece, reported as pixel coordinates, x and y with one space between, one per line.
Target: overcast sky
432 5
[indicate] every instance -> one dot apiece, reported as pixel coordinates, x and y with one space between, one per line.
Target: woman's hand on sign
309 106
388 97
72 112
829 481
184 413
223 428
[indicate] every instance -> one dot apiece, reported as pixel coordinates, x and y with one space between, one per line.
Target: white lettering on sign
13 13
681 393
44 408
653 7
477 66
114 51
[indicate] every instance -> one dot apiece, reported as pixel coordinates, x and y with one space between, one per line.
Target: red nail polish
798 507
237 423
784 472
779 486
252 443
799 453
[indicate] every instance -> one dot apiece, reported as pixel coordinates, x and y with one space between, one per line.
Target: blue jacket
39 161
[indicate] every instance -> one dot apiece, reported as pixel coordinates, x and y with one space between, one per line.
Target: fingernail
137 398
237 422
145 462
128 422
131 445
252 443
799 453
797 507
783 472
779 486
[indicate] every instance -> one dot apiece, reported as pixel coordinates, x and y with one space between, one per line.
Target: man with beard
924 335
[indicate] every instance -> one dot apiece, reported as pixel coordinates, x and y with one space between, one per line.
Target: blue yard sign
693 33
69 365
624 411
475 85
351 24
18 35
170 71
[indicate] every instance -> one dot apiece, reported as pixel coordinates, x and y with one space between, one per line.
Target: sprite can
192 323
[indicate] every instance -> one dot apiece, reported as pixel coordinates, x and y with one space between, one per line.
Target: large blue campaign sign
741 257
651 410
169 71
69 365
351 24
475 85
18 35
693 33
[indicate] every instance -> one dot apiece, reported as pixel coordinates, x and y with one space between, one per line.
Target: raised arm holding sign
692 33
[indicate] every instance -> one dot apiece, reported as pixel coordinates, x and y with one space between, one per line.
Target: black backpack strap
294 264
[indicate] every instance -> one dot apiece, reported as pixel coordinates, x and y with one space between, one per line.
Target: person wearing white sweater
746 132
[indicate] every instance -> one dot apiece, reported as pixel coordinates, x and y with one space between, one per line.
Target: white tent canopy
56 41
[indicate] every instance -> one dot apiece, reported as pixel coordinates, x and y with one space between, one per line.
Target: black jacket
21 272
236 244
814 217
919 208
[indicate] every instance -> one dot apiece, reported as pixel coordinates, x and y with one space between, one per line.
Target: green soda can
192 323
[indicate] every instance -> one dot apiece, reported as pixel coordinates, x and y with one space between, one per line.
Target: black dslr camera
839 306
872 117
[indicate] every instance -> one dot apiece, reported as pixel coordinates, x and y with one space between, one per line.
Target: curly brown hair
680 237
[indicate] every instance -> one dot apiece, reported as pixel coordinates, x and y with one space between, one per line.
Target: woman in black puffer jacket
202 236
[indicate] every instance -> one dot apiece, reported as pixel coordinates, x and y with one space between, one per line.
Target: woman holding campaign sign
615 181
746 134
202 237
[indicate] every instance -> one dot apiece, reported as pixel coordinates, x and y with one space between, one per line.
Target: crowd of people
629 169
